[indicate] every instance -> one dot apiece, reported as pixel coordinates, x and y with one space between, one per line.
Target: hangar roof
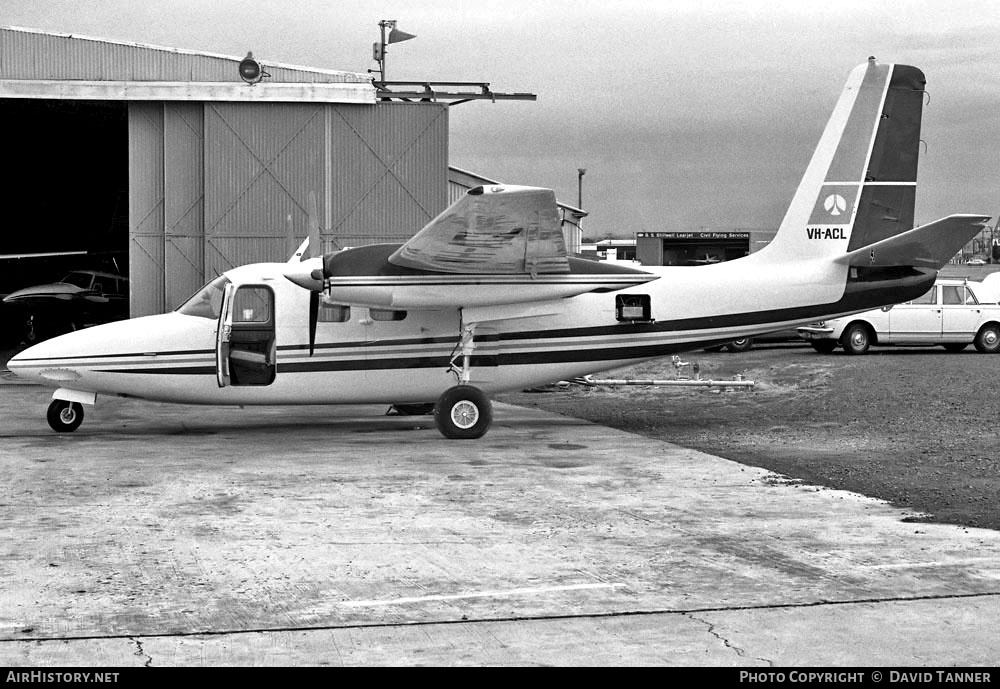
41 64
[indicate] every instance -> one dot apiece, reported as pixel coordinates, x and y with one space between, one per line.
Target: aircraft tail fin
860 185
928 246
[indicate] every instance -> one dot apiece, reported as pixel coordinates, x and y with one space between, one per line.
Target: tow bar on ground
680 381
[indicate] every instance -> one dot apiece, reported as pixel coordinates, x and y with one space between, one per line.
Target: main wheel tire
65 417
463 412
743 344
988 339
823 346
857 339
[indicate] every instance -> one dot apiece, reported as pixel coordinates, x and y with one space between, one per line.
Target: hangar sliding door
216 185
379 174
145 213
184 201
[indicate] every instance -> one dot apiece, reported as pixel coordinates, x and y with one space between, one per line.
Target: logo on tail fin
835 204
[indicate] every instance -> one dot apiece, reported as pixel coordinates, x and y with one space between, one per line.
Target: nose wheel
463 412
65 417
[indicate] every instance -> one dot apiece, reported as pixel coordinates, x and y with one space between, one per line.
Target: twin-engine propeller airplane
485 299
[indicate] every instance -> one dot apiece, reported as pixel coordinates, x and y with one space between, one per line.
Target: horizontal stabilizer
928 246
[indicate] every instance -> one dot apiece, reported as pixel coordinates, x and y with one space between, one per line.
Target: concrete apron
174 535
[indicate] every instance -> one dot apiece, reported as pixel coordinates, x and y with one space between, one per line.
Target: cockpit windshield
206 302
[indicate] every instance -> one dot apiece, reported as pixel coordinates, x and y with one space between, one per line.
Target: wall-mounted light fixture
250 70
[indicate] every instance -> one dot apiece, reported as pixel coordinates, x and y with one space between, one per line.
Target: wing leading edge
496 246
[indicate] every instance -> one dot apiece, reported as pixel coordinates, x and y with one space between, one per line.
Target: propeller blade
315 241
313 319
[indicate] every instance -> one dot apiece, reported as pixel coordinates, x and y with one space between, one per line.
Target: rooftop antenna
425 90
379 48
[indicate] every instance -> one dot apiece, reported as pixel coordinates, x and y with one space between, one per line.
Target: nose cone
15 365
47 362
87 359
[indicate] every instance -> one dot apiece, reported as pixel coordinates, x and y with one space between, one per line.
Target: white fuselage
173 357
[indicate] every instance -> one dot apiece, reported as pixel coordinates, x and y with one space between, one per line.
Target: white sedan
954 313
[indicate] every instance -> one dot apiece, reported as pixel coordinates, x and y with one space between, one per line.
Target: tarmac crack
511 618
741 652
140 652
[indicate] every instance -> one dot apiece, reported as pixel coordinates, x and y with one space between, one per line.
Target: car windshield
206 302
78 279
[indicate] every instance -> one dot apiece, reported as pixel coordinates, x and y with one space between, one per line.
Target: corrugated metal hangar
208 171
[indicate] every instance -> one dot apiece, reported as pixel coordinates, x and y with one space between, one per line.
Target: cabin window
252 305
334 313
386 315
633 307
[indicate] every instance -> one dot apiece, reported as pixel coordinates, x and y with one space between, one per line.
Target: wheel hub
464 414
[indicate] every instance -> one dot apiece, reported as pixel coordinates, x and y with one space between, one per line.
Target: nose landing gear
65 417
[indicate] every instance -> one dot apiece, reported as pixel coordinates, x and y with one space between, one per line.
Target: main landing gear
463 412
65 417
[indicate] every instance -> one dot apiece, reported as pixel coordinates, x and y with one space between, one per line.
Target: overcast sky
685 114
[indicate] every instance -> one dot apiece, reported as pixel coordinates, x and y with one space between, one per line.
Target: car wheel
742 344
988 339
823 346
955 346
856 339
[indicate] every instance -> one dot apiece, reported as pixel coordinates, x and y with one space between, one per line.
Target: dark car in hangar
80 299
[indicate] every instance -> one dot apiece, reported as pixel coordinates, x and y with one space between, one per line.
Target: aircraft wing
498 230
495 246
928 246
41 254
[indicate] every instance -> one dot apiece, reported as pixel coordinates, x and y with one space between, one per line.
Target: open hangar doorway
66 210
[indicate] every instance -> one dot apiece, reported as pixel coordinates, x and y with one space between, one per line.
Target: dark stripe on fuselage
130 355
164 371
